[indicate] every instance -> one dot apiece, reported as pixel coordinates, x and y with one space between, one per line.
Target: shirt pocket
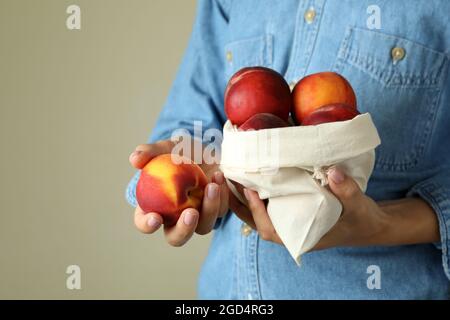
249 52
401 91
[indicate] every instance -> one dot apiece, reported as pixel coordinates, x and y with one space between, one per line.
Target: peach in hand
320 89
169 184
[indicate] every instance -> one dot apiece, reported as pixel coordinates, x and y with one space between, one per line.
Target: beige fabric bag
289 167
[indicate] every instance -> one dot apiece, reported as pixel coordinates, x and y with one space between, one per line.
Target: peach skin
169 184
263 121
330 113
320 89
254 90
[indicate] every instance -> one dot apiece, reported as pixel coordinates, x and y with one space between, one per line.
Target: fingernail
190 218
336 175
246 194
153 222
219 177
213 190
135 154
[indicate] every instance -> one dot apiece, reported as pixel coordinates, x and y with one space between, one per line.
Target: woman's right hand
214 205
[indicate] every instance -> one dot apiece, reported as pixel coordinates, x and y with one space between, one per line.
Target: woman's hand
363 221
214 205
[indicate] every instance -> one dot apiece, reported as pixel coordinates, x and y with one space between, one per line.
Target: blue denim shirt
408 96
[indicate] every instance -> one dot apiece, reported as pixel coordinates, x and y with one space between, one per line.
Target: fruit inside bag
292 172
288 164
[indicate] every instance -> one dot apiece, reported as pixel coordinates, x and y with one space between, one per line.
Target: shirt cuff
437 197
130 193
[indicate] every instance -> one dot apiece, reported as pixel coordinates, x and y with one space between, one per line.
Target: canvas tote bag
288 166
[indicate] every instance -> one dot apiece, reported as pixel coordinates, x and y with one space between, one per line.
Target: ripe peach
320 89
330 113
168 188
256 90
263 121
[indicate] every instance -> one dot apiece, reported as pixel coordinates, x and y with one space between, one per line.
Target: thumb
344 188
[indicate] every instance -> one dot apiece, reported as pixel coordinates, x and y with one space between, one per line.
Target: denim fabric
409 100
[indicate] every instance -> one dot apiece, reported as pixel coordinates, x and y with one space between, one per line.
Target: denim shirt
396 56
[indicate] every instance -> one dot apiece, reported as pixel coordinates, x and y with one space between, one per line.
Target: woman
392 242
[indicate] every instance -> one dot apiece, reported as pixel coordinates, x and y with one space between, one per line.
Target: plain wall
73 106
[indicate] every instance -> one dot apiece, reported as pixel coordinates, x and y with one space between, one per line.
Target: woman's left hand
362 221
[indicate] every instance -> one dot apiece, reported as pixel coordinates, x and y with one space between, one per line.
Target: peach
256 90
320 89
330 113
167 187
263 121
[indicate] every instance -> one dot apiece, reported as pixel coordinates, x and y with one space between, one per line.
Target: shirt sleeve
436 191
197 92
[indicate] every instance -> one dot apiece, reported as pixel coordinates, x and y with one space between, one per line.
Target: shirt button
229 56
292 85
398 54
310 15
246 230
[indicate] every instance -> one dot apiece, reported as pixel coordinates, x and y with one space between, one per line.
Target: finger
344 188
218 178
224 200
145 152
210 208
224 192
147 222
180 233
262 220
241 211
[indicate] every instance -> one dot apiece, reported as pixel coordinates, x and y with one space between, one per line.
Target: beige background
73 106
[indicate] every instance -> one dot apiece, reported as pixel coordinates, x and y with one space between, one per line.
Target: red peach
169 184
263 121
256 90
330 113
320 89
